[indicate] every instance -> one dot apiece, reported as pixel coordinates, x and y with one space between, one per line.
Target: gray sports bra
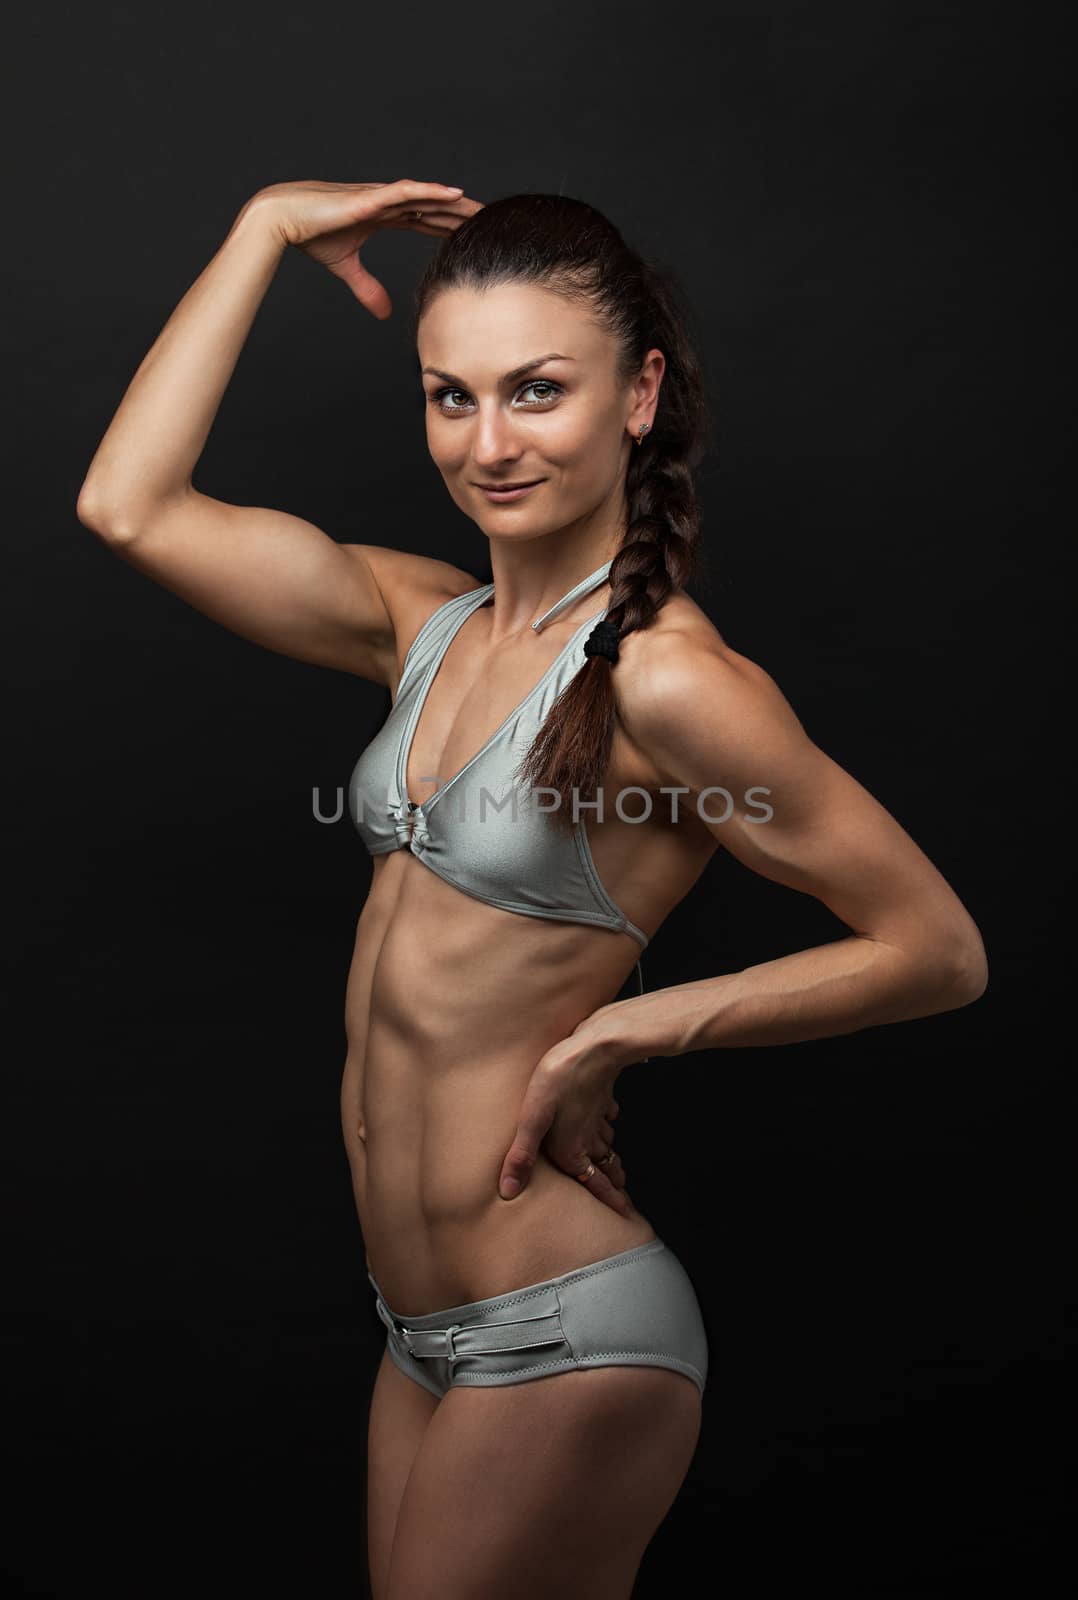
486 835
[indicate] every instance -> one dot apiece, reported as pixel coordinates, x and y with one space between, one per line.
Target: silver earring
643 430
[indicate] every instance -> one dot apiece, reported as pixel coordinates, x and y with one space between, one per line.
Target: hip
426 1256
636 1307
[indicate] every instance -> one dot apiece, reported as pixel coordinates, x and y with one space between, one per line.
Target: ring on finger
608 1158
589 1172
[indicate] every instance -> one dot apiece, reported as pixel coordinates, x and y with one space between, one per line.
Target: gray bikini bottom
636 1308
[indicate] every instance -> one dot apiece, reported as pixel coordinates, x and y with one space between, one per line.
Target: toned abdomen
451 1004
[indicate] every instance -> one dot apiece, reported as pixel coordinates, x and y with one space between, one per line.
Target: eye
544 383
440 395
552 390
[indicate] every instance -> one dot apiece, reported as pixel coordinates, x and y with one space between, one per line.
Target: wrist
258 221
665 1022
616 1036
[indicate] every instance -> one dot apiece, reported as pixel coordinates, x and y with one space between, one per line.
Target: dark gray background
863 203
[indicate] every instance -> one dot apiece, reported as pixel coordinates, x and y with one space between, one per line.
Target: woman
566 748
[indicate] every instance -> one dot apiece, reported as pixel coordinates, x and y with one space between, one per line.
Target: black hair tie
603 641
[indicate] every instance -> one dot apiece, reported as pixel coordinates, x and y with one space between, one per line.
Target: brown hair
569 248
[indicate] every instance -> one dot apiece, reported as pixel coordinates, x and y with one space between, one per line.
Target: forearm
830 989
153 443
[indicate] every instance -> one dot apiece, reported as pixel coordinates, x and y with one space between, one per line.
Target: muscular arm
267 575
706 716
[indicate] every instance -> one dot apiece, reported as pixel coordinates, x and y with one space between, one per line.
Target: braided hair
567 246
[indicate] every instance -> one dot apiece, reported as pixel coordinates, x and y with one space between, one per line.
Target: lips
506 494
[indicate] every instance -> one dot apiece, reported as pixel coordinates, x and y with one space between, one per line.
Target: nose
495 442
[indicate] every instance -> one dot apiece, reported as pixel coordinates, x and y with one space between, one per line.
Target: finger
404 189
405 217
446 211
365 286
613 1168
462 206
516 1168
606 1191
432 230
612 1109
536 1116
607 1131
396 199
442 223
430 214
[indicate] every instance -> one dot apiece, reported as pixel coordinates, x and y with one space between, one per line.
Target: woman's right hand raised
331 221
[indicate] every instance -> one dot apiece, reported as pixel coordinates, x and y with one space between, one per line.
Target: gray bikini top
483 831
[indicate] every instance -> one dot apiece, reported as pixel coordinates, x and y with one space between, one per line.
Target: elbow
967 971
99 517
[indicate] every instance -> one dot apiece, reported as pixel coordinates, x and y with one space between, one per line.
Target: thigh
551 1486
400 1414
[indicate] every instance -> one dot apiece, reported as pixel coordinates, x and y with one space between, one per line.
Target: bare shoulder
692 707
412 588
666 670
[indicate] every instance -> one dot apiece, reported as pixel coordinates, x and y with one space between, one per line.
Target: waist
437 1128
555 1225
447 1022
435 1228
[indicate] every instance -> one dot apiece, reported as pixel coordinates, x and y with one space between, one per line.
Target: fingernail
510 1187
454 188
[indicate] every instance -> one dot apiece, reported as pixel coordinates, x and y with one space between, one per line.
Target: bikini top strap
592 581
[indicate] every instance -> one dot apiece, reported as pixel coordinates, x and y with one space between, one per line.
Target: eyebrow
509 377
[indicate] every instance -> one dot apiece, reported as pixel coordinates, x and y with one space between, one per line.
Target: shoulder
691 703
412 587
680 659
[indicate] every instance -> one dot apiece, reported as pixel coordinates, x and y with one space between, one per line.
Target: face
563 424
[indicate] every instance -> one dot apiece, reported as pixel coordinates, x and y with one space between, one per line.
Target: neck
531 584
